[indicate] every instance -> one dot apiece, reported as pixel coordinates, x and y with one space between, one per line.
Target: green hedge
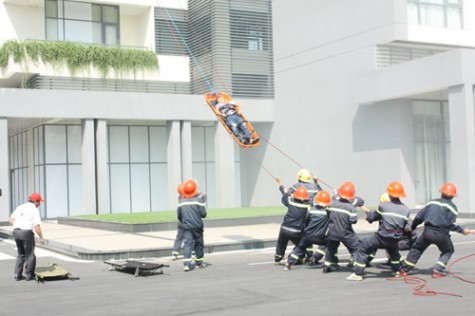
78 56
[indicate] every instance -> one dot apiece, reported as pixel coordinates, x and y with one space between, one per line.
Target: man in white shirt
25 220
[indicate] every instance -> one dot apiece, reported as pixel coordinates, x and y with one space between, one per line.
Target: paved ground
97 244
236 283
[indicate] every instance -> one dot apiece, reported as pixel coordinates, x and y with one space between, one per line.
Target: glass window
82 22
437 13
431 147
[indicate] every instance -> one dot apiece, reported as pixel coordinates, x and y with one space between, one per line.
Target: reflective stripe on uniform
339 210
315 212
192 203
294 256
392 214
307 206
292 229
361 265
450 208
409 263
441 264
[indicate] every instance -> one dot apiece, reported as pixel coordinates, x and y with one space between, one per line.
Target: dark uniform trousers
193 237
369 246
302 248
431 236
285 236
351 243
25 243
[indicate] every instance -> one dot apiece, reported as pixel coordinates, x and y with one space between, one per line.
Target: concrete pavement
100 244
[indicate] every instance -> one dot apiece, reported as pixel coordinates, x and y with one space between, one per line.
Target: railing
98 84
387 55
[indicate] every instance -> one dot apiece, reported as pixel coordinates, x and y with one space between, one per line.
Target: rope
258 162
174 31
458 260
421 288
293 160
187 48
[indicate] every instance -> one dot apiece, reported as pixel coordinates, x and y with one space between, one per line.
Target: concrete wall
328 117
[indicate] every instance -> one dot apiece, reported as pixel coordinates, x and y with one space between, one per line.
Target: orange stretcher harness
212 99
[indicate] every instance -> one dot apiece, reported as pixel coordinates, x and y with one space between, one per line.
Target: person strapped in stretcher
230 111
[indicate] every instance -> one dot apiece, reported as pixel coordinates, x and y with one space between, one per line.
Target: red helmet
347 190
36 197
180 190
189 189
301 193
395 190
449 189
323 198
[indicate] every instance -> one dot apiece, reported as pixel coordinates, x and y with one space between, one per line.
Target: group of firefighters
316 217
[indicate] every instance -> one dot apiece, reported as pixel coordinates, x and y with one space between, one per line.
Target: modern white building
378 90
364 90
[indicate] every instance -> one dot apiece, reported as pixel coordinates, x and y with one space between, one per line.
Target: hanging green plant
79 57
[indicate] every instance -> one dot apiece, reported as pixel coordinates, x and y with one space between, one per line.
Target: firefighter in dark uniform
292 226
191 212
438 216
315 229
342 215
305 180
393 217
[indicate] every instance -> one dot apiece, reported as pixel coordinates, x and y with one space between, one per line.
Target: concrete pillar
186 151
88 170
462 145
4 172
225 169
173 161
102 168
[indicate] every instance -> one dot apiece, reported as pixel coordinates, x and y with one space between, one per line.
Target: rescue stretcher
137 267
52 272
212 99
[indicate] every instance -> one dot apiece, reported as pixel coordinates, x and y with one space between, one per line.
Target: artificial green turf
170 216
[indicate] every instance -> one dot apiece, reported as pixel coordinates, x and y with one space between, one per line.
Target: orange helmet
347 190
323 198
395 190
189 189
301 193
449 189
180 189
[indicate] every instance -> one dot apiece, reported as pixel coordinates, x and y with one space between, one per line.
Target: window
82 22
171 31
250 30
438 13
431 147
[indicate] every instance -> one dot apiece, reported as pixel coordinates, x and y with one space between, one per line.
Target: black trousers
431 236
351 243
285 236
370 245
25 244
193 238
301 249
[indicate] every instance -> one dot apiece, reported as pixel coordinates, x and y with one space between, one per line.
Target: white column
225 169
186 151
4 172
173 161
102 168
462 145
88 170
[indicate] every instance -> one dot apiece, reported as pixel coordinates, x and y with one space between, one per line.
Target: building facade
111 141
386 90
369 91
